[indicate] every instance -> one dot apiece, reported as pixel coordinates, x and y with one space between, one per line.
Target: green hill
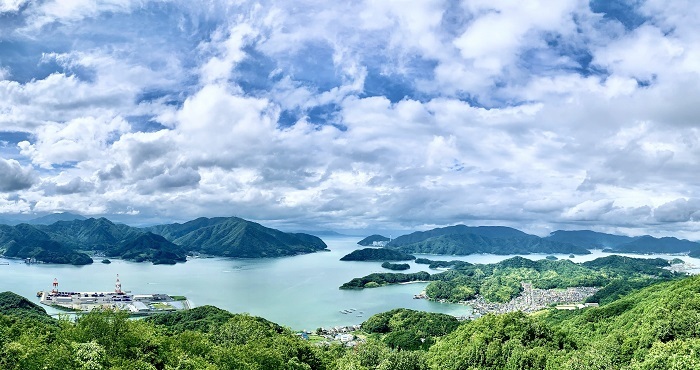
465 240
236 237
90 234
377 254
149 247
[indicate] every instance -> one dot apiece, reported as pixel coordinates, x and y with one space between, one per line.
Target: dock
135 304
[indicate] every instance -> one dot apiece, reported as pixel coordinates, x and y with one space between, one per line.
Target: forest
651 328
501 282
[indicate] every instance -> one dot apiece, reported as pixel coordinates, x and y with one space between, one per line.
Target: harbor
135 304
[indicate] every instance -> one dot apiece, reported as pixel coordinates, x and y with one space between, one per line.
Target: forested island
651 328
69 242
396 266
377 254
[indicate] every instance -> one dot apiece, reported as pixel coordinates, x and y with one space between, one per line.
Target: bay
300 292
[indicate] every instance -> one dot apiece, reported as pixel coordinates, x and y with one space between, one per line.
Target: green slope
236 237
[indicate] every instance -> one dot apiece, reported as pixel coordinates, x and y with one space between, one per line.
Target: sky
355 115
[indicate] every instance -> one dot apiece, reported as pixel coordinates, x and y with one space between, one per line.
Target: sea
300 292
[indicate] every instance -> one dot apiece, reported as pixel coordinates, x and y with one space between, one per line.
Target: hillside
652 328
625 244
90 234
377 254
465 244
149 247
588 239
25 241
649 244
372 240
236 237
62 241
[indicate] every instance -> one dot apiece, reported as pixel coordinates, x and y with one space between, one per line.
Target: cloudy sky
375 115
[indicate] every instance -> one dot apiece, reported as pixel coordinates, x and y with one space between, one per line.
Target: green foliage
396 266
465 240
379 279
377 254
652 328
236 237
149 247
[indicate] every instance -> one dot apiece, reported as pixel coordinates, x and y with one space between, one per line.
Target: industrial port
135 304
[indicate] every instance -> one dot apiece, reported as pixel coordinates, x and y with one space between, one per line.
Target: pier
135 304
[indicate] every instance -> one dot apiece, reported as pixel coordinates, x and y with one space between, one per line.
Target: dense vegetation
377 254
396 266
236 237
372 239
500 282
149 247
465 240
380 279
64 241
652 328
408 329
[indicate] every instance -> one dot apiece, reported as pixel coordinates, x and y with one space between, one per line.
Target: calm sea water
300 292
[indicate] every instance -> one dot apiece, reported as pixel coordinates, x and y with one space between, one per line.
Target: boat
39 294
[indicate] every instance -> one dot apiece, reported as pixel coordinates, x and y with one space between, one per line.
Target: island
396 266
378 255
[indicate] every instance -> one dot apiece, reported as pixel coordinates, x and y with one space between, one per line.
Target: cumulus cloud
14 177
361 114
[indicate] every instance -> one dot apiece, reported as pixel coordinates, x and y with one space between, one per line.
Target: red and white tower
55 286
118 286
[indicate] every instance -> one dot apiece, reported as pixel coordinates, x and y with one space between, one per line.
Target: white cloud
14 176
503 120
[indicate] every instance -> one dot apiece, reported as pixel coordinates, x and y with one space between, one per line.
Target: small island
396 266
377 255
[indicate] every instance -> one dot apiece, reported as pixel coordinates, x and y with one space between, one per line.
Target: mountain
25 241
372 239
90 234
650 244
236 237
62 241
55 217
464 240
589 239
149 247
377 254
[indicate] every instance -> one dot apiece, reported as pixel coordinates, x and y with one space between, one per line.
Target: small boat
39 294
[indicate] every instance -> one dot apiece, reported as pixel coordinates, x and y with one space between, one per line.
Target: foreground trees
652 328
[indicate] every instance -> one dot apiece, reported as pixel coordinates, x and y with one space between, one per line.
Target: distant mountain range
66 241
465 240
626 244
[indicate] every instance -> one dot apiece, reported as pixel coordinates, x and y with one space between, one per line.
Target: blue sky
360 115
